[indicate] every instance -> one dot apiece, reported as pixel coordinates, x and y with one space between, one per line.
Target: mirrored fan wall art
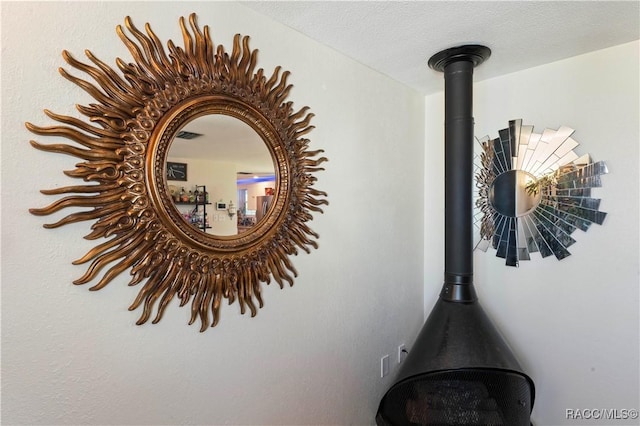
532 192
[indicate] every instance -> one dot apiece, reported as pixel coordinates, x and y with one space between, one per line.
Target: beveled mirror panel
533 192
132 164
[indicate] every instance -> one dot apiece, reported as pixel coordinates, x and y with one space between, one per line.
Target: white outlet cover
401 354
384 366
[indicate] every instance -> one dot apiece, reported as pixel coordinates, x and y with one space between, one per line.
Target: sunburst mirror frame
559 181
139 108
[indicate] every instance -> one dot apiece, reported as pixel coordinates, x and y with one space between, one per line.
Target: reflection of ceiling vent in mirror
187 135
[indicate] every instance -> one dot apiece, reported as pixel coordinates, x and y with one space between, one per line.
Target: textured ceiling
397 38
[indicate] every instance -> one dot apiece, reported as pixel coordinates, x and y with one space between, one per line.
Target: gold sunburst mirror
124 146
533 192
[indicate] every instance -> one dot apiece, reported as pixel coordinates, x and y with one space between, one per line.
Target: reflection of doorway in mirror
242 200
253 190
245 220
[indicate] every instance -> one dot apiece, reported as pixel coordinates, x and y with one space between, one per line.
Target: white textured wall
573 323
311 356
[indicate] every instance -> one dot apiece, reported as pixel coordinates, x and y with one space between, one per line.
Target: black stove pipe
458 342
458 280
457 64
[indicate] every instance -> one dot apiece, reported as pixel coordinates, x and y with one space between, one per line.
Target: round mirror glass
220 175
514 193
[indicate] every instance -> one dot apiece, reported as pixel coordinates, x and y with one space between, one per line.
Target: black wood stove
460 371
